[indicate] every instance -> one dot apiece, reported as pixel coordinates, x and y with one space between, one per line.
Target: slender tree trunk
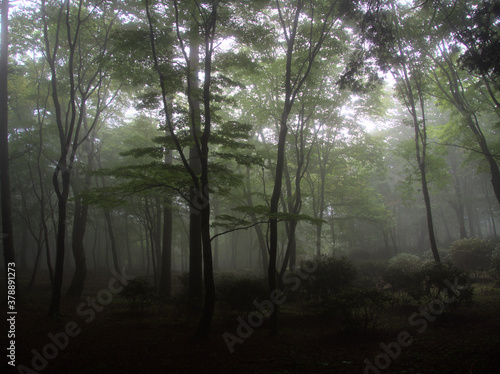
273 211
141 241
165 287
195 235
114 251
216 240
264 255
153 256
208 269
43 219
208 275
7 230
79 228
428 210
63 195
127 242
36 266
80 219
157 232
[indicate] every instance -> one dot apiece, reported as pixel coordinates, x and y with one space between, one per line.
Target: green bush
443 281
472 255
358 309
371 273
238 292
400 272
140 293
495 262
444 255
331 275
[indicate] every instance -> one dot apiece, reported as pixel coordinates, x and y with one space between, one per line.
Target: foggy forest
250 186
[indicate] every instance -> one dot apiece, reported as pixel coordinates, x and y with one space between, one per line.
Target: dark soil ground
160 340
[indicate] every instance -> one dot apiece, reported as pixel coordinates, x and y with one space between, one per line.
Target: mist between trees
187 139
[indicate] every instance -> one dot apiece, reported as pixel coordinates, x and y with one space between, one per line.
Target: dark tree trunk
165 286
216 240
195 235
195 253
208 269
79 228
208 275
7 231
36 266
264 255
127 242
428 210
273 221
63 194
114 251
481 140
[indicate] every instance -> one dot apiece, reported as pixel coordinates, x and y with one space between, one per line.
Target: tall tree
7 231
206 15
297 69
397 33
84 83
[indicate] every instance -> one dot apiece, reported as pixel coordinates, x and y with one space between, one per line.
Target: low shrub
400 274
444 255
371 273
238 292
472 255
331 275
359 309
140 293
495 263
443 281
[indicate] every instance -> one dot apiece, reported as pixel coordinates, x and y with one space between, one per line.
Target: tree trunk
165 286
430 225
258 229
114 251
63 194
208 269
208 275
127 242
273 211
79 228
7 231
195 235
36 266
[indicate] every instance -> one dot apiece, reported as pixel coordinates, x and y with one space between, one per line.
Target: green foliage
140 293
412 279
438 280
444 255
358 309
401 275
495 261
405 262
473 255
238 292
371 272
482 38
331 275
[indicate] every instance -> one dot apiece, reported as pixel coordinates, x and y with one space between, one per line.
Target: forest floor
116 340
